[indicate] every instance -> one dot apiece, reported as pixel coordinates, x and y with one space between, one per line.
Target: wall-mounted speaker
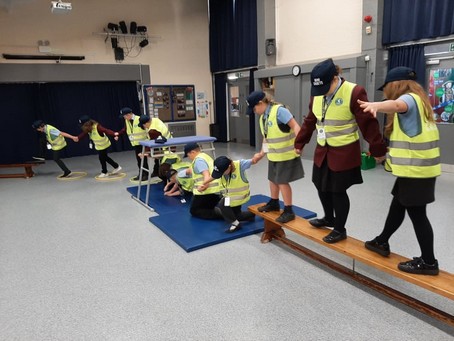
123 27
119 54
114 42
133 27
112 27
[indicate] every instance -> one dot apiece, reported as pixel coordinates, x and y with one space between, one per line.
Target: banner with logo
441 94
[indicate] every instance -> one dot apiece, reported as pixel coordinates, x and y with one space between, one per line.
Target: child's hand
201 188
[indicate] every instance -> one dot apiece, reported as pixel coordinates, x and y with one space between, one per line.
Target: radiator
180 129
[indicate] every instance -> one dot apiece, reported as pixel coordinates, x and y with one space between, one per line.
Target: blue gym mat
193 233
158 201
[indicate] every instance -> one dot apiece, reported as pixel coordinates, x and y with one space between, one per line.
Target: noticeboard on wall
170 103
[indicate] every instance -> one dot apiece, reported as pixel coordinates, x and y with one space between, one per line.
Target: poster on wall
441 94
170 102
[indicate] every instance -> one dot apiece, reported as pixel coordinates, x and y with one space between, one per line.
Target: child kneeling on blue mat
235 189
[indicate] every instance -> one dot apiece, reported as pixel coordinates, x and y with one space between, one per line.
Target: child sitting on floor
178 182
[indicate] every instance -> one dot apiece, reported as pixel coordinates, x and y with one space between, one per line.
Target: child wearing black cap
55 141
337 119
98 135
234 187
156 130
278 127
414 159
204 202
135 134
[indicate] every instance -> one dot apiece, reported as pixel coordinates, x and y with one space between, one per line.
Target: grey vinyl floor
79 260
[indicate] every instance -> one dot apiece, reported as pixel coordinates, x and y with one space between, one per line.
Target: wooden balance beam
442 284
27 167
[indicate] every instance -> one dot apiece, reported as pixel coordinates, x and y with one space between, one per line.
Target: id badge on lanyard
321 134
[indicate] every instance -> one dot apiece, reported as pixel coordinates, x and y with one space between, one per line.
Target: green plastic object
367 161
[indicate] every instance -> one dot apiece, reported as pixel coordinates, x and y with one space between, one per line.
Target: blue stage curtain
407 20
251 117
232 34
411 56
61 105
220 99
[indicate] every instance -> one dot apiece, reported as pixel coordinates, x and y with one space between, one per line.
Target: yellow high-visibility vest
135 133
101 142
213 186
59 143
280 144
417 156
339 123
236 188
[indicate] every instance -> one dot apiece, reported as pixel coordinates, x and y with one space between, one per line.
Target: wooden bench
27 167
443 284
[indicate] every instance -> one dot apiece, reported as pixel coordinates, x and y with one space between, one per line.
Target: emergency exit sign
451 47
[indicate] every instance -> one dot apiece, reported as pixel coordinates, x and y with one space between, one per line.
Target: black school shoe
270 206
334 237
285 217
419 267
321 222
65 175
380 248
233 228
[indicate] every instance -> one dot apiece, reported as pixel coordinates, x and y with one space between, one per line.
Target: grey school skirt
283 172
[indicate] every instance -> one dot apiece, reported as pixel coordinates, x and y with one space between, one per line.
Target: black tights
59 162
336 207
421 225
104 159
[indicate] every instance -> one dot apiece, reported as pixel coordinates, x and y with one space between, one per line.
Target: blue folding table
206 144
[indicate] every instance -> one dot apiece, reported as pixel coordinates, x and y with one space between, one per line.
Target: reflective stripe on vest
213 186
280 144
59 143
339 123
237 188
135 133
418 156
101 142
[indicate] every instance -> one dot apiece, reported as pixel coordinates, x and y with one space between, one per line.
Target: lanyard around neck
326 103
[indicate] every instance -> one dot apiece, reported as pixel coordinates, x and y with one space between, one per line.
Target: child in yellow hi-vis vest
98 136
55 141
234 188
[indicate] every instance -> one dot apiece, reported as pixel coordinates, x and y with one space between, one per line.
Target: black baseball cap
190 147
84 119
220 166
253 99
143 119
321 76
125 111
37 124
400 73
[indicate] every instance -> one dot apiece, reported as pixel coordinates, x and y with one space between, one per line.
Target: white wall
309 30
181 56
